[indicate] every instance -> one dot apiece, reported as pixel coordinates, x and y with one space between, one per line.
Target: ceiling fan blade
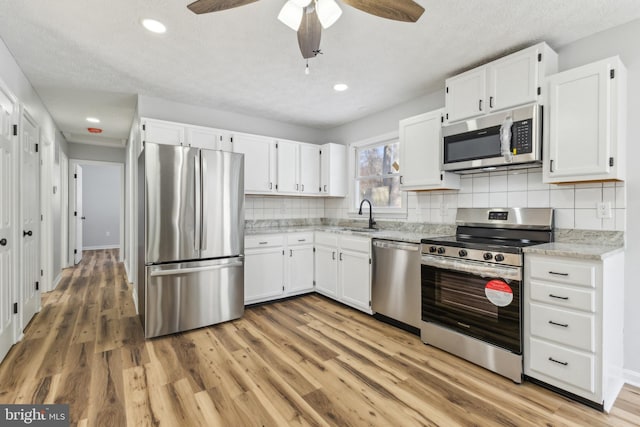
309 33
398 10
206 6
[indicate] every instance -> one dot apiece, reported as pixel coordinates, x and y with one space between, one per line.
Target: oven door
478 299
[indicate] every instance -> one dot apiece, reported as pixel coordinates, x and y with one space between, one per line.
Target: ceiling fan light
300 3
328 12
291 15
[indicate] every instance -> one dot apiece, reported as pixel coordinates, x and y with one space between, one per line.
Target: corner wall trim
632 377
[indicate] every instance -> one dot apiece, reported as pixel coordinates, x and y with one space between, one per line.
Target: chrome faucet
371 221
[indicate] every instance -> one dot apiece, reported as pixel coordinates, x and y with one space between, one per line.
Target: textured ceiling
91 57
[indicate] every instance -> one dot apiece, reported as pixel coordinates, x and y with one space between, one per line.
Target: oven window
457 293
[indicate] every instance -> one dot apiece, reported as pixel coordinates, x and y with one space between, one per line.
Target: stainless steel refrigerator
190 238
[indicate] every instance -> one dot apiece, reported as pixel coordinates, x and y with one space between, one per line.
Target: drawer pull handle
333 255
302 240
558 297
558 362
558 274
564 325
263 243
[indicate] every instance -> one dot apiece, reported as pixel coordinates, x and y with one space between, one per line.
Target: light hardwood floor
304 361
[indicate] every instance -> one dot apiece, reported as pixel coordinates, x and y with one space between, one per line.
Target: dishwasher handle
388 244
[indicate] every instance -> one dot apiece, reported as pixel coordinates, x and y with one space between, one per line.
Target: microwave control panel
521 139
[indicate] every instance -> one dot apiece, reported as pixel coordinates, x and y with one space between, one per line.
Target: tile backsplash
575 205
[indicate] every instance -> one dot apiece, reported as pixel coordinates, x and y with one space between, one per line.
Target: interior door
79 215
7 224
30 220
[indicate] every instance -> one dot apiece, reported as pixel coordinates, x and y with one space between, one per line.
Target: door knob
27 233
3 242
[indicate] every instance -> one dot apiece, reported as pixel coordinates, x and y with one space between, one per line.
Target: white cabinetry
343 269
298 168
333 170
573 322
421 154
586 123
171 133
259 162
299 263
510 81
263 268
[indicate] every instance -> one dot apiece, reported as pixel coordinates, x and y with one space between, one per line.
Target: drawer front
567 366
357 244
564 271
300 238
567 328
263 241
561 296
326 239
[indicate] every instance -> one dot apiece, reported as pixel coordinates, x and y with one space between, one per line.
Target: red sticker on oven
498 292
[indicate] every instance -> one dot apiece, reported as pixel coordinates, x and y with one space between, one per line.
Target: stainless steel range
472 285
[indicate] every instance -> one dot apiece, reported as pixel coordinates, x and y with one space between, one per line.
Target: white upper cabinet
507 82
298 168
586 123
421 154
333 170
259 162
202 137
162 132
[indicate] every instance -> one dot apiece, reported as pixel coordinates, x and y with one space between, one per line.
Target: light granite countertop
574 250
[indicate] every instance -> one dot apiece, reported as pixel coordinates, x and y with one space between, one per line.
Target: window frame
384 212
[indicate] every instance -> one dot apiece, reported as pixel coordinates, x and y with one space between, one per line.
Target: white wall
101 206
156 108
97 153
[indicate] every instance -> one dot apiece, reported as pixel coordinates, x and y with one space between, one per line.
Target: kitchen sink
361 229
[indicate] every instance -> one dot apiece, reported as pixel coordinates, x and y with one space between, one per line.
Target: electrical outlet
603 210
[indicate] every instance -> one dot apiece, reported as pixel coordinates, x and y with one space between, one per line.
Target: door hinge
15 308
447 115
446 89
283 289
15 130
41 273
75 176
276 186
369 303
314 249
321 152
75 251
37 286
611 161
231 139
441 177
283 252
144 127
41 217
441 119
539 57
276 145
539 90
314 283
369 261
36 148
612 74
75 213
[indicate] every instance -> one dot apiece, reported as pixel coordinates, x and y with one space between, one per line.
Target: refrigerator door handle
204 197
198 199
194 269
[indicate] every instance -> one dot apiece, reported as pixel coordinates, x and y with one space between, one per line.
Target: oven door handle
477 268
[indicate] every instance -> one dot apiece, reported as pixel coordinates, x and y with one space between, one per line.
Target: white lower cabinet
299 263
573 322
343 269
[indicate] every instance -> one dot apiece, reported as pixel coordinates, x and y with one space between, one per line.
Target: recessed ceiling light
93 120
154 26
340 87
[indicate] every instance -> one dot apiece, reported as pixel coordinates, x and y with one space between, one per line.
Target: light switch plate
603 210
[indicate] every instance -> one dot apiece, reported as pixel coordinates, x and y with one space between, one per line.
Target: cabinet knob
27 233
3 242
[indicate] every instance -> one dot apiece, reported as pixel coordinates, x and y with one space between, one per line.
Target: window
377 175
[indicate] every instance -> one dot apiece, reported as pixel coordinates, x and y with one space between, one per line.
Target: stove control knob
441 250
499 258
432 249
487 256
462 253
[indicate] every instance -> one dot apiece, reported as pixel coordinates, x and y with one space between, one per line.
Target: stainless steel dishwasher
396 283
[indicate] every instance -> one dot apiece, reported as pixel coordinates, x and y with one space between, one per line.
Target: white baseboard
56 281
632 377
126 271
96 248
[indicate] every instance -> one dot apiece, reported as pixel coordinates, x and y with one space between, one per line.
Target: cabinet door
333 170
326 264
263 274
201 137
355 279
578 119
513 80
288 167
160 132
259 162
421 154
309 169
300 269
465 95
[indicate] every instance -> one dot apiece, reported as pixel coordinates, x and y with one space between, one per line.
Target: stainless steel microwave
510 137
